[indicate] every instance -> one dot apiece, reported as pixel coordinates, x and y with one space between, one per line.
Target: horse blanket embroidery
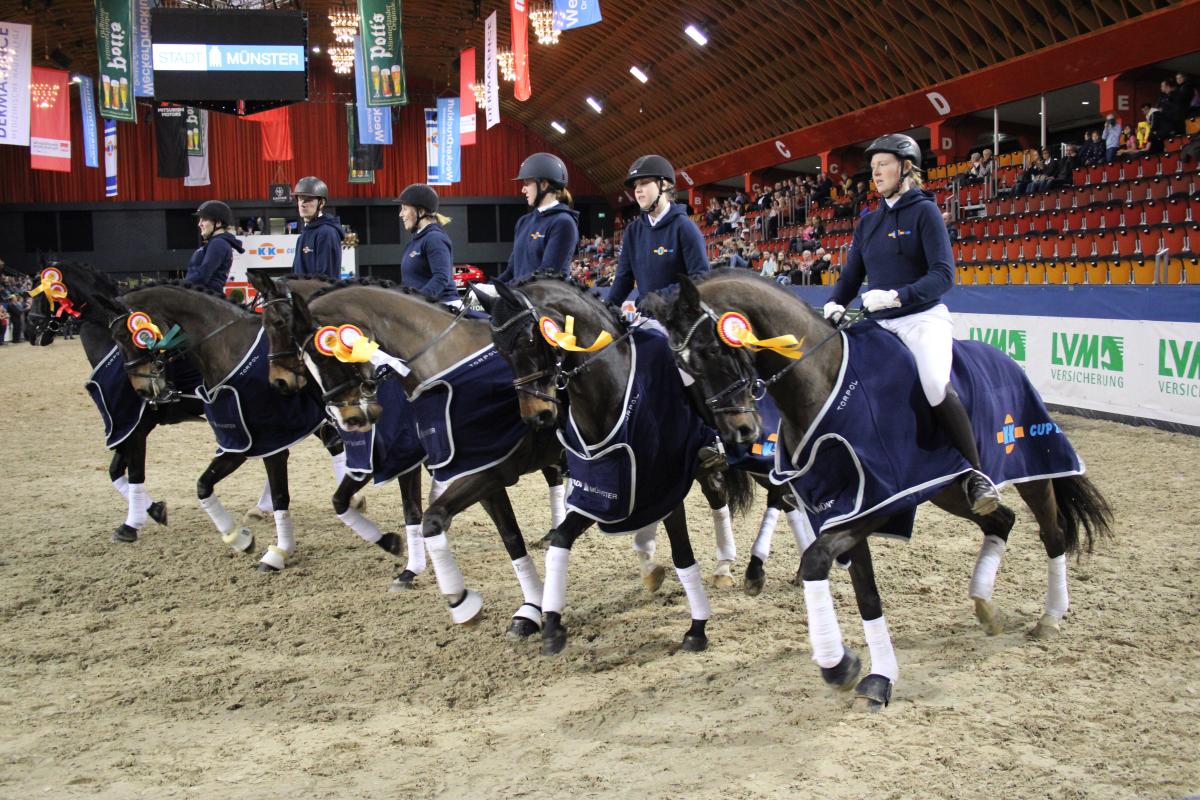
247 416
638 473
875 447
467 415
391 448
119 405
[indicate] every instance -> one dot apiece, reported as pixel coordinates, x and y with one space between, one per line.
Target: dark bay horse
1069 510
627 426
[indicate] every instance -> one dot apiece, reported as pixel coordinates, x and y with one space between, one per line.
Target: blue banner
110 158
87 106
432 157
449 160
570 14
374 124
143 61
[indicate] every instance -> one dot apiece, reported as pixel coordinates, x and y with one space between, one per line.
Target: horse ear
261 283
654 305
689 295
507 292
485 298
302 321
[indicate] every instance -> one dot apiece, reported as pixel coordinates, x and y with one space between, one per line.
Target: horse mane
379 283
613 310
745 274
102 278
183 284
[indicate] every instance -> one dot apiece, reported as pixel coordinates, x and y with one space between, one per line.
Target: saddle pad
391 448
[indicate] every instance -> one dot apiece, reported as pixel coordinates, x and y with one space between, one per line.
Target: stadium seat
1075 272
1159 188
1169 164
1144 271
1095 175
1191 270
1111 216
1081 197
1103 242
999 274
1054 220
1126 241
1111 172
1036 274
1096 271
1018 273
1148 239
1119 272
982 274
1194 208
1073 220
1056 271
1175 269
1175 211
1174 238
965 275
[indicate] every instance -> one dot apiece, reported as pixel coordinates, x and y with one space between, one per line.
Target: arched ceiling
770 66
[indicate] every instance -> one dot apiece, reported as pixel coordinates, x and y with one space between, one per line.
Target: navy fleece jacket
428 264
544 242
319 251
209 265
904 247
655 256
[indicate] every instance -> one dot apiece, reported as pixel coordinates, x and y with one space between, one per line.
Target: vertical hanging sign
198 162
114 46
520 48
466 97
491 80
110 158
383 51
49 120
91 136
449 160
354 173
194 131
570 14
433 172
16 58
143 62
374 124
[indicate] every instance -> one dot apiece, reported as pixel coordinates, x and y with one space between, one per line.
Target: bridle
173 346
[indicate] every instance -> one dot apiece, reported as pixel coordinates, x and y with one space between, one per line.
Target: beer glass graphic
104 79
375 79
397 80
124 93
386 75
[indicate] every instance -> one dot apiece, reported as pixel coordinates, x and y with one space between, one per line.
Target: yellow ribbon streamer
52 294
786 345
359 353
566 339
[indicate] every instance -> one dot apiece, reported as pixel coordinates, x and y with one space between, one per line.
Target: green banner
114 48
354 175
383 49
195 132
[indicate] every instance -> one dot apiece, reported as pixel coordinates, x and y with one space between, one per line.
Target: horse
615 450
438 356
161 323
739 335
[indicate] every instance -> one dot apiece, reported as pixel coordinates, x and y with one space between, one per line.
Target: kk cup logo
662 251
1010 432
1009 341
266 251
1088 358
1179 367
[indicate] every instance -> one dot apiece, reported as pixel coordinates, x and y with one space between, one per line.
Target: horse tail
1080 505
740 490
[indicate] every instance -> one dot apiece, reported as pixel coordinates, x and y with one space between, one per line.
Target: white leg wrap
449 578
823 631
883 658
694 587
135 517
983 579
766 531
558 505
265 503
339 468
436 488
220 517
802 530
285 535
468 608
121 484
368 531
1056 587
723 529
644 541
554 596
416 548
531 584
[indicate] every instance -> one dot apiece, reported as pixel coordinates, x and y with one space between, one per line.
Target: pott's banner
114 46
383 50
91 136
570 14
50 120
143 61
466 97
195 132
16 54
491 80
449 160
374 124
520 48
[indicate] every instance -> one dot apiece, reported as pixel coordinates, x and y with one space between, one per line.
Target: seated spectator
1092 152
974 172
1063 167
951 228
768 266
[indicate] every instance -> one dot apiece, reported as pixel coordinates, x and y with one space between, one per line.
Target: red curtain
319 148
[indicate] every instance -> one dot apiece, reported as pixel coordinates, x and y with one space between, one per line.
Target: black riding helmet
311 186
420 195
543 167
650 167
215 210
899 145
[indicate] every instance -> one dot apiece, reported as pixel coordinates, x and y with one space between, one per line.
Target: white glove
834 311
879 299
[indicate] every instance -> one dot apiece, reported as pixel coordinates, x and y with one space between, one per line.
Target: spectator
768 266
1189 97
1170 111
1112 138
4 320
951 228
1092 153
1061 174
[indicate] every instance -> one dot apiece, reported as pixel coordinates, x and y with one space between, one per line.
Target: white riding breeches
929 336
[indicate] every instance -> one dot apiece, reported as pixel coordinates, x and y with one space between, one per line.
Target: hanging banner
433 172
143 61
491 78
374 124
520 48
194 131
198 163
114 45
110 158
449 154
91 136
466 97
16 54
49 120
170 137
355 175
383 48
570 14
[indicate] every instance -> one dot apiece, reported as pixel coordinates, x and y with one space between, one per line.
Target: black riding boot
952 416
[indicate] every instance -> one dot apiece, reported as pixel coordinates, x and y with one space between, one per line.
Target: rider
903 248
319 251
546 237
209 265
662 243
428 264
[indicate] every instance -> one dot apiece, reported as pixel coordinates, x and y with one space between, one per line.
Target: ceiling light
637 73
1087 102
344 23
343 60
595 104
542 17
558 127
316 48
507 64
696 35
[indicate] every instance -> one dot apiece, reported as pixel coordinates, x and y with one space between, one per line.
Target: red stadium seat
1079 176
1126 240
1153 212
1054 220
1194 208
1174 238
1111 216
1158 189
1073 220
1175 211
1081 197
1169 164
1148 239
1081 245
1103 241
1111 172
1095 175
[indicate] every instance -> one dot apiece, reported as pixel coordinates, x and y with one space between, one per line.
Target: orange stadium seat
1075 272
1056 272
982 274
999 274
1119 272
1143 271
1018 273
1175 269
1191 270
1037 271
1096 271
965 275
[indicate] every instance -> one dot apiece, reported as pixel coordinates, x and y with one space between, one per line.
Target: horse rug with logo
758 457
391 448
643 468
875 447
248 417
119 405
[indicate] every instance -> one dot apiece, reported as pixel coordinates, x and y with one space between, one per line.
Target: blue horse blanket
875 447
467 415
247 416
758 457
119 405
391 448
643 468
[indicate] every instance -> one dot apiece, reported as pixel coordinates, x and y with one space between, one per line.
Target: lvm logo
1179 367
1087 358
1010 341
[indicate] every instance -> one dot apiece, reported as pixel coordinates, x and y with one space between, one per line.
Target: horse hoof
873 692
1047 628
722 581
694 643
240 540
391 543
797 580
274 560
403 582
254 514
124 534
755 578
653 580
520 629
267 568
158 511
753 586
843 675
468 609
554 634
990 616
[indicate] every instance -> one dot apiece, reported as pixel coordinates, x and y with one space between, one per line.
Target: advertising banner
16 59
374 124
143 59
110 158
449 154
91 134
466 97
433 172
491 77
520 48
50 120
355 171
383 51
198 162
114 47
570 14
